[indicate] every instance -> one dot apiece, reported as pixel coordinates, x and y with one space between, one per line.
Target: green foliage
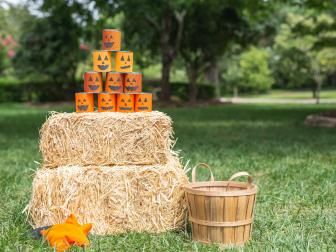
251 71
255 72
50 46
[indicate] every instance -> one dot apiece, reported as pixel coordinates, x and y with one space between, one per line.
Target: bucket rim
193 188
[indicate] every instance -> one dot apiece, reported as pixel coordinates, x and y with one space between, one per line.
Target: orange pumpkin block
124 61
111 40
125 103
114 82
84 102
93 82
102 61
106 102
133 83
143 102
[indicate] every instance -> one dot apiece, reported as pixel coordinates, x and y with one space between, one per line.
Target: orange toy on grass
62 236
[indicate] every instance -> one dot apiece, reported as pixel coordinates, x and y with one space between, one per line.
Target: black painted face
127 104
125 61
108 41
114 83
93 83
107 104
142 104
103 62
82 105
131 84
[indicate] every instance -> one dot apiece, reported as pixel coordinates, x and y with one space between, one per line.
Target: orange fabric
63 236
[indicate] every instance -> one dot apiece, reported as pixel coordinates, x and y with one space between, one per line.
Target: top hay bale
106 139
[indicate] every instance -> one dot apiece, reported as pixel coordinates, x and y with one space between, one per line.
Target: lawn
293 165
293 94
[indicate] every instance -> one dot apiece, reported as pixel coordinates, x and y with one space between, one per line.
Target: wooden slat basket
221 211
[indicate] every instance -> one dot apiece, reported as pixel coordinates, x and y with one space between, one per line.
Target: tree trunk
318 92
165 78
235 91
212 75
192 77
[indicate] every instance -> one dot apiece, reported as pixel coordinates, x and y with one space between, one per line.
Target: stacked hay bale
115 170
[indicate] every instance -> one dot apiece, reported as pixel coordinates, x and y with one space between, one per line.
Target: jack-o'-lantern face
93 82
102 61
143 102
114 82
124 61
106 102
111 39
125 103
84 102
133 83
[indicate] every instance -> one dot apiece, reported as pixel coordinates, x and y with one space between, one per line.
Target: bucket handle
204 165
240 174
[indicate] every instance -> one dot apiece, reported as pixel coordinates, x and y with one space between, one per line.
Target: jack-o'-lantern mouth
131 88
108 44
125 67
106 107
125 108
93 87
82 107
103 67
143 108
114 88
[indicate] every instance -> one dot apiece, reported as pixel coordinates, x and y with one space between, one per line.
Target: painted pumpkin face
133 83
84 102
106 102
102 61
143 102
125 103
93 82
111 39
114 82
124 61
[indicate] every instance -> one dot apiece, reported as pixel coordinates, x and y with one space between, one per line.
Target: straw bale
115 199
108 138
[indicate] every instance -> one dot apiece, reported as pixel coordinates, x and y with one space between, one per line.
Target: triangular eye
122 100
97 79
111 79
134 80
128 80
128 58
99 58
79 100
106 36
90 78
122 58
139 100
103 100
129 100
145 100
119 80
105 58
84 100
110 36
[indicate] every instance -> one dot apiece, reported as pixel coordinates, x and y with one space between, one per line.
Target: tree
307 40
210 27
50 45
155 27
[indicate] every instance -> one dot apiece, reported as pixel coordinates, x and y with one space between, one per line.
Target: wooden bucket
221 211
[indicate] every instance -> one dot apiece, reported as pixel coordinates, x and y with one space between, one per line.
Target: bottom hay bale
115 199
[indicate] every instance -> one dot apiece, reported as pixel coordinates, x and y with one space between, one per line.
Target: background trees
240 45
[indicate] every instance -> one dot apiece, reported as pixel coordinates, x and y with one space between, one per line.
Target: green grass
293 94
293 165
